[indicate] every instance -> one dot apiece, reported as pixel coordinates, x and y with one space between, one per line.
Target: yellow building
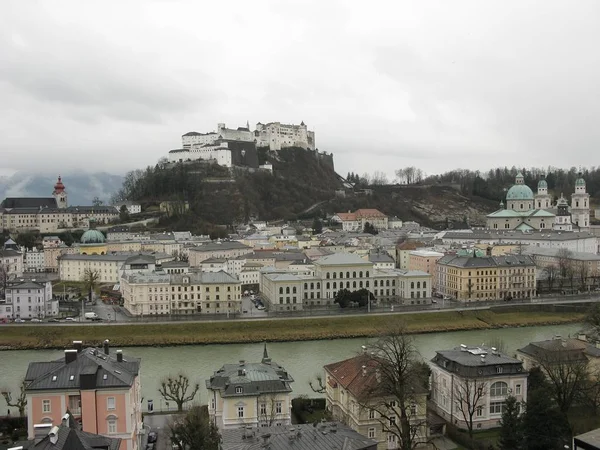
93 242
476 278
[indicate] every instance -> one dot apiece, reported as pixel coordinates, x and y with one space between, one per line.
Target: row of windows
334 274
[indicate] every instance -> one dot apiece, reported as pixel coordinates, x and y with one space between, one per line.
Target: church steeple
265 358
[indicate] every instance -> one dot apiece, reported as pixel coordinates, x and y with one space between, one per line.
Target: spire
248 124
266 359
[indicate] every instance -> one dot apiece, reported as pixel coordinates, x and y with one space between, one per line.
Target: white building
250 394
34 260
28 300
132 207
276 136
11 263
192 138
218 152
356 221
475 378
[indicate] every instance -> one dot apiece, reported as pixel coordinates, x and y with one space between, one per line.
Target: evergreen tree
511 426
317 226
544 426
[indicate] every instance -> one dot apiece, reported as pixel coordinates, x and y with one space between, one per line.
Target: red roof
59 186
361 214
349 374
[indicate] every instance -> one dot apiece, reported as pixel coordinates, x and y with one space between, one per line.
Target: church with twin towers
526 211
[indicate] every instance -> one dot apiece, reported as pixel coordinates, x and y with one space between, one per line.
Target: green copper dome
519 192
580 182
542 184
92 237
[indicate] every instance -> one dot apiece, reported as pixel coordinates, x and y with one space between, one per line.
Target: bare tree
318 386
90 280
19 402
552 273
468 395
175 388
564 257
567 373
269 408
582 270
379 178
398 387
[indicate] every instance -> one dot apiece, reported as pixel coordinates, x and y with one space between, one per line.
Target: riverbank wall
23 337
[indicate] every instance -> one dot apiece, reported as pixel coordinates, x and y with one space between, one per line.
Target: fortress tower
60 194
580 205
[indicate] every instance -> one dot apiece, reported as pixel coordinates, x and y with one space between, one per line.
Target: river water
303 360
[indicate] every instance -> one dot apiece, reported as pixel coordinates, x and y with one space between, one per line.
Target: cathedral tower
542 199
60 194
580 205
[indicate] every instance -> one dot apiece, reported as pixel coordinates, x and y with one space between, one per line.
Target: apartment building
475 378
476 278
219 249
348 386
100 389
250 395
28 300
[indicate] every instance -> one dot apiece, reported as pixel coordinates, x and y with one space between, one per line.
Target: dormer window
239 390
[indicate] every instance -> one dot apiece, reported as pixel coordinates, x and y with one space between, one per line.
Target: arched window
353 274
367 284
327 275
239 390
287 290
334 285
334 274
281 290
418 285
498 389
347 274
360 284
424 284
347 285
312 285
305 285
294 290
111 424
318 285
412 284
360 274
327 285
367 275
354 284
341 274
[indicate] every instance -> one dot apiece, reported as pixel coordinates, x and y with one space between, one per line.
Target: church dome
59 186
580 181
542 184
519 192
92 237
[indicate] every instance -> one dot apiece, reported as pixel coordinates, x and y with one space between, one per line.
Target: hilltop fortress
238 146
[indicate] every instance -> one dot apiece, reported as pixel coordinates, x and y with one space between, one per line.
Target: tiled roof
342 259
73 439
29 202
573 349
486 261
471 356
109 373
349 374
325 436
221 245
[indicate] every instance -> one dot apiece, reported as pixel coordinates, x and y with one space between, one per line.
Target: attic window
104 377
53 377
72 377
118 372
239 390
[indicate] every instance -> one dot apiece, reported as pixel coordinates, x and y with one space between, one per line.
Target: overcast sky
112 85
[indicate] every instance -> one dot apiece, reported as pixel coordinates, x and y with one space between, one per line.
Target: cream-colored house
559 350
475 378
349 382
250 394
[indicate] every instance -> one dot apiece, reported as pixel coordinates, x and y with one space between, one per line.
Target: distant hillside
81 187
301 186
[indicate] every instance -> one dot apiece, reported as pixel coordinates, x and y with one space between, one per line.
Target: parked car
70 319
19 321
260 307
35 320
152 437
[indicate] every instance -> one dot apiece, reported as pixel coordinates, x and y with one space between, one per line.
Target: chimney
242 362
364 371
65 420
40 431
106 348
70 356
119 355
482 359
53 435
78 345
364 349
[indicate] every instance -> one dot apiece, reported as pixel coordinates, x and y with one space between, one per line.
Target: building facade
475 378
348 385
355 221
276 136
101 390
28 300
250 394
477 278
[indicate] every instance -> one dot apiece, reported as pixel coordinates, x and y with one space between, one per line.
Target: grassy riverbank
181 333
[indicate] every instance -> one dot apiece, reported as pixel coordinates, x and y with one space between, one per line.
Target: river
303 360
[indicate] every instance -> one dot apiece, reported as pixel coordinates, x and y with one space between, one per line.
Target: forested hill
219 195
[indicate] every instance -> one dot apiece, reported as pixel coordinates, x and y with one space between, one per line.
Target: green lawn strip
32 336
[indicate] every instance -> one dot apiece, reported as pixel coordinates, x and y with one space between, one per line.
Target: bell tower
60 194
580 205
